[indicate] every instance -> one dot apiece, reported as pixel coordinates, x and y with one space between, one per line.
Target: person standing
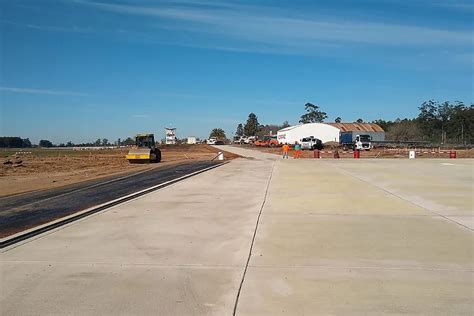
285 148
297 151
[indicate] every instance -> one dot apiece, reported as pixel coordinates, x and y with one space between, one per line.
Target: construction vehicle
144 150
268 141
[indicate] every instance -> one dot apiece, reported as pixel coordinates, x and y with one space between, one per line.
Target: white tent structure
324 132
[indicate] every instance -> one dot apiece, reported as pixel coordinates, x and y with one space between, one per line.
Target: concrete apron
342 237
178 251
329 242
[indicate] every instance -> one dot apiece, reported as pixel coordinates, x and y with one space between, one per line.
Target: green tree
269 129
129 141
360 121
11 142
45 143
218 133
460 127
251 127
385 125
240 130
404 130
27 143
338 120
105 142
313 114
428 118
285 124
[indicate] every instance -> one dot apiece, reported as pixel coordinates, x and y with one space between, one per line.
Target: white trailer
191 140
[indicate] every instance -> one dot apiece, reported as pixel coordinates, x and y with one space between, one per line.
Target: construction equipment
268 141
145 150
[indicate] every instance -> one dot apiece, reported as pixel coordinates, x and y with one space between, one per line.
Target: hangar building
327 132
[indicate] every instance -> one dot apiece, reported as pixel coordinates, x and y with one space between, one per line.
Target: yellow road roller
145 150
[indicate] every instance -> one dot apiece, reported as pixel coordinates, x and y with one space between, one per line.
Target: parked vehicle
250 139
212 141
311 143
239 139
355 141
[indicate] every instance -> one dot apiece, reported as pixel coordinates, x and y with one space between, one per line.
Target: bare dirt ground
39 169
374 153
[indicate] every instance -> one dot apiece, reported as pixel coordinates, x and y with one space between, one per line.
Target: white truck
355 141
212 141
311 143
250 139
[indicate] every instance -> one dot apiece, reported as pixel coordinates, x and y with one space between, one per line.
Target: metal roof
144 135
354 127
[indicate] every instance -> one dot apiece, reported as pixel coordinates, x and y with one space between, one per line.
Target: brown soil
40 169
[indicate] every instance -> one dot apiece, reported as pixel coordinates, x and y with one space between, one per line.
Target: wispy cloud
458 5
272 26
140 115
72 28
41 91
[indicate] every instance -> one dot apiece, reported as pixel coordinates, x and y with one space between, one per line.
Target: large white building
324 132
327 132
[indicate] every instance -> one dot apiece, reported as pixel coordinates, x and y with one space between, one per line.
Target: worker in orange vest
285 148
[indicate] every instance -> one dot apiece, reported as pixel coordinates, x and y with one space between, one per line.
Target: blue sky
84 69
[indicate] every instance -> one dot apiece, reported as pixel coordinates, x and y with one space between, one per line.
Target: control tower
170 135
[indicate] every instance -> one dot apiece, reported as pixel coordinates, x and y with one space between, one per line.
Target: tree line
18 142
252 127
437 122
15 142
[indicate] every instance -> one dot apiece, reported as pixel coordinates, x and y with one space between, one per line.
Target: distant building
192 140
328 132
170 136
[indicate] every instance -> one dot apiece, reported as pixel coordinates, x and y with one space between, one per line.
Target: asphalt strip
28 235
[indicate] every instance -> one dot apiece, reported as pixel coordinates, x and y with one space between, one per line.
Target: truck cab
363 142
355 141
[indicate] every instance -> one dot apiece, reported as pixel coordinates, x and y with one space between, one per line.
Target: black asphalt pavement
24 211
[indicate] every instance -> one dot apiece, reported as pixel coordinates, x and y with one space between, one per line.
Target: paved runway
23 211
334 237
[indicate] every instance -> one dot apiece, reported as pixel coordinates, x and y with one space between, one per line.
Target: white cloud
72 28
458 5
270 26
41 91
